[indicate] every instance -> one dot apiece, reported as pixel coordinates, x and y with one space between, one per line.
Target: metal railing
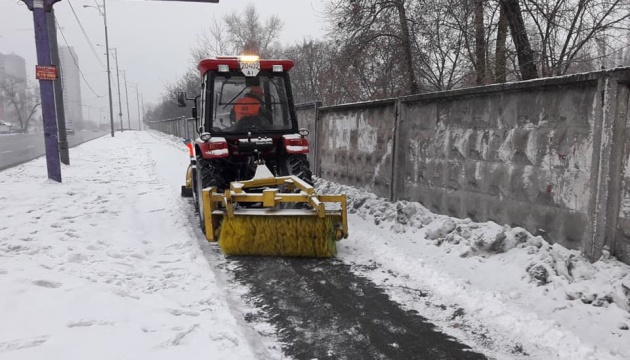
180 126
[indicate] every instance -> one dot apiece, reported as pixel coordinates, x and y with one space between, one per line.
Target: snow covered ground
109 265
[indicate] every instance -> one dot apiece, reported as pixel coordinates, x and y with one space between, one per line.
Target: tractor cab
246 116
244 94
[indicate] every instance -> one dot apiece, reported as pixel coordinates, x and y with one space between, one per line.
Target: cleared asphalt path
325 311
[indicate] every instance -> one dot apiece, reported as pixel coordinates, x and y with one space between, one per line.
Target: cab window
266 94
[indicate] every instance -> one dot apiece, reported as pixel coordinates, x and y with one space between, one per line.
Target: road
17 149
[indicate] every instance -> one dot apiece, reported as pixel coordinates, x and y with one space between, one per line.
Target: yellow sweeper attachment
270 225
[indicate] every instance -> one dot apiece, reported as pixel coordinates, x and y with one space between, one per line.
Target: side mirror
194 113
181 99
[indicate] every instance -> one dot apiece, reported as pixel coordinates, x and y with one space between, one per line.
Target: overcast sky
153 38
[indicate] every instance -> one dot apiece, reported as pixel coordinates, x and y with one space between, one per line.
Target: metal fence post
397 179
186 127
317 155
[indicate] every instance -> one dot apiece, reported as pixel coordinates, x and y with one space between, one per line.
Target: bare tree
22 100
318 75
480 43
565 27
442 42
520 37
361 23
246 32
406 46
240 33
212 42
500 63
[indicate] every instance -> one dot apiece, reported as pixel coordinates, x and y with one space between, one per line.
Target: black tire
195 195
299 166
209 173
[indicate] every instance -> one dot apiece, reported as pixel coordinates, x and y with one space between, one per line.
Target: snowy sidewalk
106 265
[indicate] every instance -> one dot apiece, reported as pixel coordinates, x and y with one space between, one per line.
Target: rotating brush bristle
306 236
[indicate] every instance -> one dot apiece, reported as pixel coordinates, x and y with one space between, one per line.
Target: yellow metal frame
270 198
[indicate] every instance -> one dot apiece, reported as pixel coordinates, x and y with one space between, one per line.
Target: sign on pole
43 72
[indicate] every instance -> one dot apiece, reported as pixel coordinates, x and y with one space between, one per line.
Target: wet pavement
325 311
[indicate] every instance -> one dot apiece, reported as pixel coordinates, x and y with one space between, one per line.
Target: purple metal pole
39 9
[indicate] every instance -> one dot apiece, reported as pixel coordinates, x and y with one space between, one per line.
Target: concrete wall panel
621 246
357 144
525 154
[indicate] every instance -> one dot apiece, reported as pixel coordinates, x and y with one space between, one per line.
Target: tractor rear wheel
298 165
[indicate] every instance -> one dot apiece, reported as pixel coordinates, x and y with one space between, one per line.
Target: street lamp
109 76
120 113
138 105
127 97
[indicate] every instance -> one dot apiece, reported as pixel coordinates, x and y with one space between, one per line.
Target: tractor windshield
244 104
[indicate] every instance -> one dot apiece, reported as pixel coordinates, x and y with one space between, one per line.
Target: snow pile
518 279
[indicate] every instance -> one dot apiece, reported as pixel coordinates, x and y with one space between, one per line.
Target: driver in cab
250 105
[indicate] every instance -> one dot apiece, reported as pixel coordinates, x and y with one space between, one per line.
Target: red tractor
248 130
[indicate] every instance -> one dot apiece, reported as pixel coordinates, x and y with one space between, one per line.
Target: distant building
71 83
12 68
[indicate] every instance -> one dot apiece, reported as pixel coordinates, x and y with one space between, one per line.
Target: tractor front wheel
209 173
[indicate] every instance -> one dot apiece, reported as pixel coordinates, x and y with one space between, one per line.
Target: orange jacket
246 106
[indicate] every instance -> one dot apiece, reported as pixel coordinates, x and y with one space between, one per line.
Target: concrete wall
519 157
550 155
355 143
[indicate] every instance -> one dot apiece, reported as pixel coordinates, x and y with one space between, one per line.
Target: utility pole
127 98
109 75
46 73
144 112
58 88
119 100
89 114
138 106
